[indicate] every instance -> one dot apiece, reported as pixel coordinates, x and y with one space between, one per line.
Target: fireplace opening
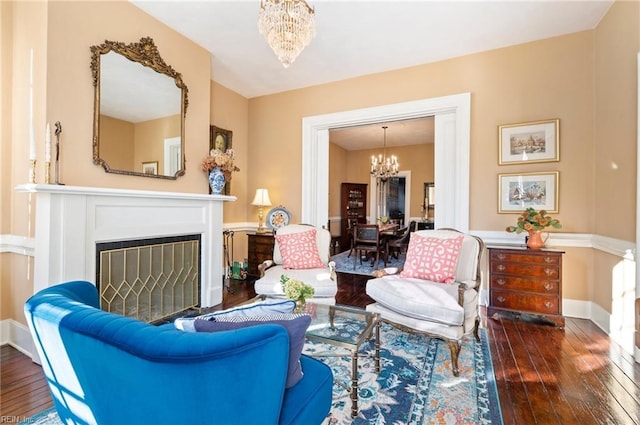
149 279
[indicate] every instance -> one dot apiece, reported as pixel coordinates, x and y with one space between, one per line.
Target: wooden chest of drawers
260 248
525 281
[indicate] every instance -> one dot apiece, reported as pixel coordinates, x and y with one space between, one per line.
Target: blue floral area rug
415 384
344 264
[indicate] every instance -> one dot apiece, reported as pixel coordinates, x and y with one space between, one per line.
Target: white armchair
445 305
295 255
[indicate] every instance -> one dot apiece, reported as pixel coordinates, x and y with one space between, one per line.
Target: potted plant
534 222
296 290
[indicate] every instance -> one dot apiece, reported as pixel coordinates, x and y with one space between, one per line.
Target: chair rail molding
15 244
617 247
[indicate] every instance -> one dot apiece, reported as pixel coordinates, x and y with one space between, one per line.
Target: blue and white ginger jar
216 181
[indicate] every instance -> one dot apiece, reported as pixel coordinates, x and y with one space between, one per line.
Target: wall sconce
261 200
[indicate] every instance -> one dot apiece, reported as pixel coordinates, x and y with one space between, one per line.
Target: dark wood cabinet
525 281
353 207
260 248
424 225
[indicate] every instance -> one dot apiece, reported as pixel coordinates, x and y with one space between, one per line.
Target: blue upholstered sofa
108 369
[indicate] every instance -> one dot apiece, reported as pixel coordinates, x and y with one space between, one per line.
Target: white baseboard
18 336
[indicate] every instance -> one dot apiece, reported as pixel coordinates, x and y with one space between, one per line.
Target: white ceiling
356 38
399 133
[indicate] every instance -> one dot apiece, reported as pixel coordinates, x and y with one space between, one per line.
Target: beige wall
229 111
26 32
117 145
617 43
74 27
553 78
587 80
546 79
61 34
339 160
149 140
125 145
6 74
355 167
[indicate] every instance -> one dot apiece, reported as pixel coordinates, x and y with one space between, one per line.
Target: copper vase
536 239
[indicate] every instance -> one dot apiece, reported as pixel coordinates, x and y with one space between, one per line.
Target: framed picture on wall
537 141
521 191
150 167
220 139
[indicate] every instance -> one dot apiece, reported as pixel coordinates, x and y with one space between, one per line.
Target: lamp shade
262 198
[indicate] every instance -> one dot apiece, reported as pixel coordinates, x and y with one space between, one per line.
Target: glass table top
340 325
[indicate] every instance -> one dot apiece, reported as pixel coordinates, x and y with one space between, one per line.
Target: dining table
388 229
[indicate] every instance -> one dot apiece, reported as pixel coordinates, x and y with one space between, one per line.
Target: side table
260 248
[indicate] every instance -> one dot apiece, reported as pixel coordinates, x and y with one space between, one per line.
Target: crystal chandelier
383 167
288 26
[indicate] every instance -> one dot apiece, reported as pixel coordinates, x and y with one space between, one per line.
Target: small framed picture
220 138
521 191
150 167
537 141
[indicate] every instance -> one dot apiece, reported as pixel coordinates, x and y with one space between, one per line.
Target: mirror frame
145 53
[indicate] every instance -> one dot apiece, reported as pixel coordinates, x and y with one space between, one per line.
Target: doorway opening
391 199
451 140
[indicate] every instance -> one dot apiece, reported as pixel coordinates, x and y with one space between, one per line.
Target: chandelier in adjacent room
288 26
381 166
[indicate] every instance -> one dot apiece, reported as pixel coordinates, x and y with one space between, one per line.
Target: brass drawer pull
501 282
501 256
501 299
548 304
549 272
548 260
501 267
548 286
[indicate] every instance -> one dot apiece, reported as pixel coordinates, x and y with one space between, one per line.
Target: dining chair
367 241
399 244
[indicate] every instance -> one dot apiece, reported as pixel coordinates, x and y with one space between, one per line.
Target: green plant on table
295 289
530 219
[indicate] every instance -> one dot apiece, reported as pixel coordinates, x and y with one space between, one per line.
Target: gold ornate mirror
139 109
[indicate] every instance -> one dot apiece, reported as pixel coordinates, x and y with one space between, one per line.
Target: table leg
354 384
377 347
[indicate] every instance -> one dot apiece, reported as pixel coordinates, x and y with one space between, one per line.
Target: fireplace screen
149 279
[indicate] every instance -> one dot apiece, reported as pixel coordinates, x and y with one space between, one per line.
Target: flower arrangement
224 160
530 219
295 289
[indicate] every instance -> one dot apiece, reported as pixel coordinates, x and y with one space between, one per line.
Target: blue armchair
109 369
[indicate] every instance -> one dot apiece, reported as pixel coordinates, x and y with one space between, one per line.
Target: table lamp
261 200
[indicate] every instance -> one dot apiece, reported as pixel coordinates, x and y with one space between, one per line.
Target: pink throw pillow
433 259
299 250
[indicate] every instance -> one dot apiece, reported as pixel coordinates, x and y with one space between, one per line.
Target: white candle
47 145
32 136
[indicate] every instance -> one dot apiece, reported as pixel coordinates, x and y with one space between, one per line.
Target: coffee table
348 328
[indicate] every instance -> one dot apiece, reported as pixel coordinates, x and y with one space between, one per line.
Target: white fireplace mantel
70 220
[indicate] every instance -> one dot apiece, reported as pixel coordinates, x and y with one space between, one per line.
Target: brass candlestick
32 171
47 171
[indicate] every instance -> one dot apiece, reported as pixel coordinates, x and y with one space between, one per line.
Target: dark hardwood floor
545 375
